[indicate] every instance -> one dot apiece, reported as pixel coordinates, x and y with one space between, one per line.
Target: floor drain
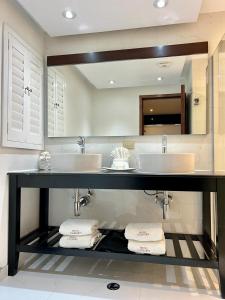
113 286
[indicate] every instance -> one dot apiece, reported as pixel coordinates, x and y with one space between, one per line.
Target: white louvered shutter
22 119
60 95
35 101
51 102
17 82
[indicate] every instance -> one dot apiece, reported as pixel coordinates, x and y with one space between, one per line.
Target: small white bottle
45 161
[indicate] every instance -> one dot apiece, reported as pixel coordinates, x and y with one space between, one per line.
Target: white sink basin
76 162
167 163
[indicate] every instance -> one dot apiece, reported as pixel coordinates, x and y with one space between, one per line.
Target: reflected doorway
163 114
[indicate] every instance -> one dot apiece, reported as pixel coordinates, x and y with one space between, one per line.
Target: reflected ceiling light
159 78
68 14
151 110
112 82
160 3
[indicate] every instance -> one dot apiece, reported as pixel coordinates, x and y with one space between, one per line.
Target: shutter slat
16 69
35 105
60 94
51 103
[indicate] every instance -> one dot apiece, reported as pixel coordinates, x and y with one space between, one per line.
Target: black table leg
14 225
221 232
206 208
44 209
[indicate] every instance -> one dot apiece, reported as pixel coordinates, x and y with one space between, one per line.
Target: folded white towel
153 248
144 232
81 242
78 227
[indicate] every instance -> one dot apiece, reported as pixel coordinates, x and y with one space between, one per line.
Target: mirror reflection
129 98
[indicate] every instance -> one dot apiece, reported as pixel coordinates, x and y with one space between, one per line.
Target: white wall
15 159
120 107
199 83
124 206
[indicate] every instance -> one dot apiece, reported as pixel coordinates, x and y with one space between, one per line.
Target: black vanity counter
104 172
45 238
197 181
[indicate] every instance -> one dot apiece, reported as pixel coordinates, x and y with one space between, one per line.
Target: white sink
76 162
167 163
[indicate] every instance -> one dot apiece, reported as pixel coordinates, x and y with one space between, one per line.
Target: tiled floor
45 277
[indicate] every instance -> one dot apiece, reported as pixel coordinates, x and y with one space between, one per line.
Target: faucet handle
81 140
81 143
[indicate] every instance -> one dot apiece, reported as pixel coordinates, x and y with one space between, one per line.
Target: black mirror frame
128 54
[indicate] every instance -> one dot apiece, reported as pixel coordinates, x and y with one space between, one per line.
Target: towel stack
79 233
146 238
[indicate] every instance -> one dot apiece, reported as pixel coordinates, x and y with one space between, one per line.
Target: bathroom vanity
45 238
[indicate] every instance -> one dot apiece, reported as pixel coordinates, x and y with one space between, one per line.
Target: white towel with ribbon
144 232
78 227
80 242
153 248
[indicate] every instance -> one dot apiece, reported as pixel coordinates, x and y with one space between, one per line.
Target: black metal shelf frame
47 243
45 238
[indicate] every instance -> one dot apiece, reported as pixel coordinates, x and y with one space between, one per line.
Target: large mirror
150 96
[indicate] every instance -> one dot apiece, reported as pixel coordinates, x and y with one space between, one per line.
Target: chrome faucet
164 198
81 143
76 198
164 144
81 200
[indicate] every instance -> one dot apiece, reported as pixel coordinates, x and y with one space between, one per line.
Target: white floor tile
57 296
172 293
32 281
9 293
87 279
127 290
96 287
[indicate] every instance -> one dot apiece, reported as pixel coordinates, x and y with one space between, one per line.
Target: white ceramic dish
119 170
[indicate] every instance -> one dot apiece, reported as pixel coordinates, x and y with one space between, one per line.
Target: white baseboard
3 273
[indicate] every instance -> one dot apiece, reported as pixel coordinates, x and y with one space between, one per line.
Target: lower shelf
201 253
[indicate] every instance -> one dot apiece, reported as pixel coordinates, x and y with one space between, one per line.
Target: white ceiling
134 73
109 15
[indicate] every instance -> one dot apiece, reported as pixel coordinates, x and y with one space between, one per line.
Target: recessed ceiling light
160 3
68 14
112 82
159 78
